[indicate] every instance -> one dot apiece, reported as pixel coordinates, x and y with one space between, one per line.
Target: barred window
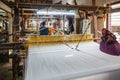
115 19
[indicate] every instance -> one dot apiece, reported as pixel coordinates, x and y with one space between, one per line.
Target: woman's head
104 31
43 23
56 27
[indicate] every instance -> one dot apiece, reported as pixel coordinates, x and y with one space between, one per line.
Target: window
115 19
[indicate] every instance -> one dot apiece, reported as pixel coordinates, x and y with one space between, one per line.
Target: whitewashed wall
113 0
68 1
98 2
56 1
85 2
101 2
64 1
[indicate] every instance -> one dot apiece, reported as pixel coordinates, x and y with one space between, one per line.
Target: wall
98 2
84 2
101 2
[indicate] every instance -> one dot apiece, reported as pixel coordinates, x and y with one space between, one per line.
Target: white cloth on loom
59 62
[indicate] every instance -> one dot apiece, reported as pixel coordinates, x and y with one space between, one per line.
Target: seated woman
56 31
109 44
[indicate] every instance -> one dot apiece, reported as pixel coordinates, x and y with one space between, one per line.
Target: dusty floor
6 72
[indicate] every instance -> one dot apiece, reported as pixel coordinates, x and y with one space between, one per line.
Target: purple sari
109 44
112 49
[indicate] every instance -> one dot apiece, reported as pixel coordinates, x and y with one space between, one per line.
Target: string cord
83 34
85 30
66 43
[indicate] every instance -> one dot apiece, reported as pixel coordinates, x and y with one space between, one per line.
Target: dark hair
43 23
104 29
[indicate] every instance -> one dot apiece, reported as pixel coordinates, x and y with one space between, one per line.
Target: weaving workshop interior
59 39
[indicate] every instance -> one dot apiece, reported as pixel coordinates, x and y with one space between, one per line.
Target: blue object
44 31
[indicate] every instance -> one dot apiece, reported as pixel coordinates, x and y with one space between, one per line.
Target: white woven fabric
59 62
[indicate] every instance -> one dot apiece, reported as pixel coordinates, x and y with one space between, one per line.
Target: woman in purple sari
109 44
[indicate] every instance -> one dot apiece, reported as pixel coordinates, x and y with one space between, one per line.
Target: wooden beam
38 5
28 11
13 45
29 14
115 10
53 39
10 28
113 3
5 7
93 2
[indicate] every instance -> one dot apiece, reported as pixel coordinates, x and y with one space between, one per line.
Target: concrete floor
6 72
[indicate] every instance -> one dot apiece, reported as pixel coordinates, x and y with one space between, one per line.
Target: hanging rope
67 44
83 34
85 31
65 41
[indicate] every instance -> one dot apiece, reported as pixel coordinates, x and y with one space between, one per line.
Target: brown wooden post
15 39
93 2
16 25
10 27
78 25
94 28
107 21
107 17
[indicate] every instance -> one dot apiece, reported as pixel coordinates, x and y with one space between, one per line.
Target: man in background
43 29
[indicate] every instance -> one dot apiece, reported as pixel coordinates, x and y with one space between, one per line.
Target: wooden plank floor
59 62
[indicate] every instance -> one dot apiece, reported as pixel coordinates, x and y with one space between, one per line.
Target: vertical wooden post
16 25
15 39
77 26
93 2
10 28
94 28
108 21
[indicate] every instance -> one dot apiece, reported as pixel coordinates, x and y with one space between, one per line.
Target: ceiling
30 7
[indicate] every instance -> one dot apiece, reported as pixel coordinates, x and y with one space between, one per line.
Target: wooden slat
93 2
8 46
113 3
38 5
67 38
5 7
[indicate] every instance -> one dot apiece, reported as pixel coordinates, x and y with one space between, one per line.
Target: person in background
56 30
71 23
43 29
57 22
